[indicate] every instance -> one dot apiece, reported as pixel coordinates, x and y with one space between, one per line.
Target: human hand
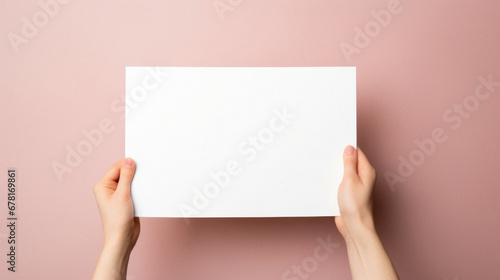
367 256
355 193
115 205
121 229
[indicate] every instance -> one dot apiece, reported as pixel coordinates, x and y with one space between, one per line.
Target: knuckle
350 160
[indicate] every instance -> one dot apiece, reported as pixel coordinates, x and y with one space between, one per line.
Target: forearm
112 263
367 256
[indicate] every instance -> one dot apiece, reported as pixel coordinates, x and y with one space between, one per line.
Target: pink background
442 222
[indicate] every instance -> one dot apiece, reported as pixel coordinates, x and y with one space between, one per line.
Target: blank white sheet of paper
238 141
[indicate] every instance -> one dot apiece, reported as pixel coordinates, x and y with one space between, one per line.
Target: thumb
127 172
350 162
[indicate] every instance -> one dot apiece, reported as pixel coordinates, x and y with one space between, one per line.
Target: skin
367 256
121 229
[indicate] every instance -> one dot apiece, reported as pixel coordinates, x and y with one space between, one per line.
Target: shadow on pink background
439 222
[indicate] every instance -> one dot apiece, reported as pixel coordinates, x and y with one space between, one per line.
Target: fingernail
128 162
349 150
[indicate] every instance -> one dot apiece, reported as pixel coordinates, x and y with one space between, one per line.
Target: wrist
113 262
367 256
120 248
119 240
359 226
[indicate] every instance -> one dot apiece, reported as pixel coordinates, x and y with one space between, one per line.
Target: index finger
365 169
113 174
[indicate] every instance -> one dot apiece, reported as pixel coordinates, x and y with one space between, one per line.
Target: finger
127 172
110 179
113 174
350 162
365 169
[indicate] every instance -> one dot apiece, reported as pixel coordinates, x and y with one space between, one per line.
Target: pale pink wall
442 222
